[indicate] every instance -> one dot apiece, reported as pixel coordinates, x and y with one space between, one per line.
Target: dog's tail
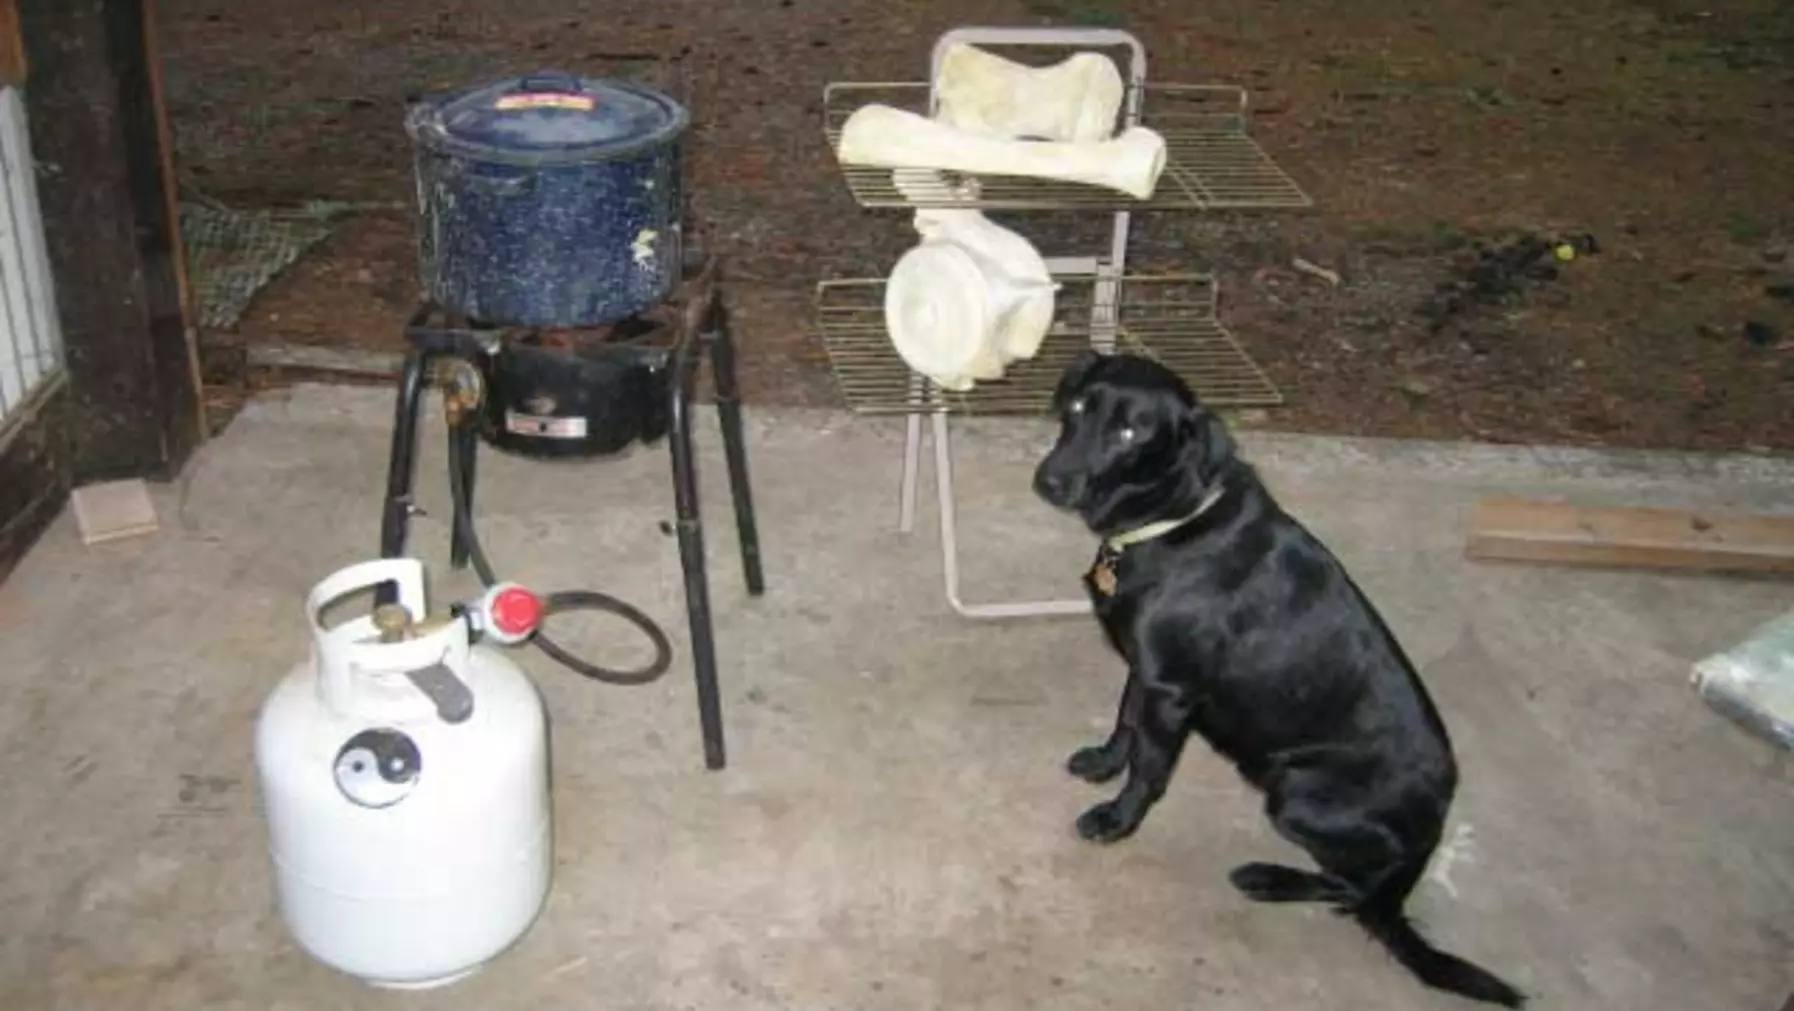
1441 970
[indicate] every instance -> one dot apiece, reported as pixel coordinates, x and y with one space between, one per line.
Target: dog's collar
1121 541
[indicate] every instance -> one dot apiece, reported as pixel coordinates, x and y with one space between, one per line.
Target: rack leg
401 467
1105 316
912 461
691 559
728 407
912 465
943 481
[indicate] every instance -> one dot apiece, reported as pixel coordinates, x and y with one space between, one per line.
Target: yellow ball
1565 252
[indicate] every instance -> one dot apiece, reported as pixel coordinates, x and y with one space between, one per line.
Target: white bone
888 137
1076 99
968 300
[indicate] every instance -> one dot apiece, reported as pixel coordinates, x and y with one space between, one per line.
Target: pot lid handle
550 81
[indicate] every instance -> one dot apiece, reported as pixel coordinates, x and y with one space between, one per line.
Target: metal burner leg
395 522
728 406
464 437
691 559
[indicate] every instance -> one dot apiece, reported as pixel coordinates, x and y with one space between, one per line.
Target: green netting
233 253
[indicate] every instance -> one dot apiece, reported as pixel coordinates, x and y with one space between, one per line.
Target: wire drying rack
1169 318
1212 163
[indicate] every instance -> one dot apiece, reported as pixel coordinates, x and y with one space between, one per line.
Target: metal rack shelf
1211 162
1171 318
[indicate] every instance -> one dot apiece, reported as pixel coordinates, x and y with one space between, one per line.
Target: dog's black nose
1049 486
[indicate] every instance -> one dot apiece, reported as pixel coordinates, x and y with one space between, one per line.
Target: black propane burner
579 392
584 393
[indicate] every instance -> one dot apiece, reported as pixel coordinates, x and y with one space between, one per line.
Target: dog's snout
1052 486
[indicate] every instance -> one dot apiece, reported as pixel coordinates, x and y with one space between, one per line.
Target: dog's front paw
1106 823
1095 764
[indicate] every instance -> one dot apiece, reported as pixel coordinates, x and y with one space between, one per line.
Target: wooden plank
13 65
311 358
113 510
1563 533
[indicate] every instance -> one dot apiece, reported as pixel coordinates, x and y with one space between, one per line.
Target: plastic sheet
1753 682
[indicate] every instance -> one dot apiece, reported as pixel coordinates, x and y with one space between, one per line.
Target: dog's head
1135 445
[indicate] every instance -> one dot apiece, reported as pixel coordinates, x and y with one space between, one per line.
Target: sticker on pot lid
549 113
544 100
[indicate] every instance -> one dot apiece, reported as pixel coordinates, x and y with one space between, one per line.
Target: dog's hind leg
1103 762
1158 731
1262 882
1324 811
1308 805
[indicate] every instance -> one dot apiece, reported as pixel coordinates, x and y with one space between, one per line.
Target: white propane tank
404 774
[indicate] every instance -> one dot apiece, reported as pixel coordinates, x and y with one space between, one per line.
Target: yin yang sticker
377 768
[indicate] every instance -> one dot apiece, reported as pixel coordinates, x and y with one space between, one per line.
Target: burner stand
700 325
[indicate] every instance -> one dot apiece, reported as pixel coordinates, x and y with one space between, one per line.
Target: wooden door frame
94 106
126 401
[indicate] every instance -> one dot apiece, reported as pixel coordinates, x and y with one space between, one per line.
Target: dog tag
1102 576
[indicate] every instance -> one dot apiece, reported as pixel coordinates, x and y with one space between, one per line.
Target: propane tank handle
406 573
335 649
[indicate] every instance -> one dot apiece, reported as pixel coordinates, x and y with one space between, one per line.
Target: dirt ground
1661 129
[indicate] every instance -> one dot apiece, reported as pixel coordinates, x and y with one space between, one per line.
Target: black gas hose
559 602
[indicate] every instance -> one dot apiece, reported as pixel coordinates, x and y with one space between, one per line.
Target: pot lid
549 115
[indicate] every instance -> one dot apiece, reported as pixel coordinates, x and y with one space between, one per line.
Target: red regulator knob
513 613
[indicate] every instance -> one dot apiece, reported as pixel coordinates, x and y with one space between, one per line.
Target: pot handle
550 80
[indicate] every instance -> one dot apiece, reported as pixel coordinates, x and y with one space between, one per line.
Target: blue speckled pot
549 200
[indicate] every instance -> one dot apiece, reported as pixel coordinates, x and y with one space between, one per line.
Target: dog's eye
1126 435
1076 406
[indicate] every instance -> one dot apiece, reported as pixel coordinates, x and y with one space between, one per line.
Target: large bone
968 300
1010 261
886 137
1076 99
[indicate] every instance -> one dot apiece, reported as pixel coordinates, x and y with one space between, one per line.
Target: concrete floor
894 831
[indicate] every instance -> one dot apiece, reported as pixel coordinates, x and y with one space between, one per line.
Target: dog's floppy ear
1208 448
1072 379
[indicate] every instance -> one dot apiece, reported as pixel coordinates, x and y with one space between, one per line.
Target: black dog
1239 625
